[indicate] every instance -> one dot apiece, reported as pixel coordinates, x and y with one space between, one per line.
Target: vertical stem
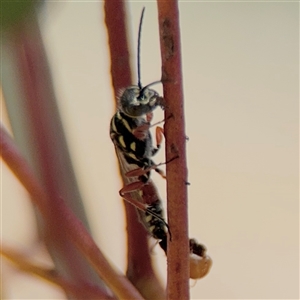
118 46
178 248
139 268
121 78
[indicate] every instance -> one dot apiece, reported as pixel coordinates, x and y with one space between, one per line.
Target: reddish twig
118 46
139 270
178 249
85 290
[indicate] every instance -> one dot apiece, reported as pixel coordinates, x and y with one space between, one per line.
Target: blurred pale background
241 83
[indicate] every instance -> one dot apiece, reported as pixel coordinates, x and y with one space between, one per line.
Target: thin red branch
85 290
178 249
115 17
139 270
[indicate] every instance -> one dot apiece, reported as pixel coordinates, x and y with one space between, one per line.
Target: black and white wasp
130 133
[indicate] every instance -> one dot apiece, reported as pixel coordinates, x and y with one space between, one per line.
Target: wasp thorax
136 102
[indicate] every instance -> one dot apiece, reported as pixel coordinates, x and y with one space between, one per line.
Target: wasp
130 133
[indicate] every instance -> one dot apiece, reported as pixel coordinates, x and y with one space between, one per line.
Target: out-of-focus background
241 83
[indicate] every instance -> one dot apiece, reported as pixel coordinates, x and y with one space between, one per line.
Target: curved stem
84 290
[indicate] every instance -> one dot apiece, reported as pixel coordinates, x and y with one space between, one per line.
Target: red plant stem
66 219
178 248
139 270
121 78
86 290
118 46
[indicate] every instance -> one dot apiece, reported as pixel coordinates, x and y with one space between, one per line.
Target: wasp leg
135 186
149 117
159 133
141 171
131 187
142 131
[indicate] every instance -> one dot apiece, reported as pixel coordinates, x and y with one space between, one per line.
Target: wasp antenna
145 87
138 49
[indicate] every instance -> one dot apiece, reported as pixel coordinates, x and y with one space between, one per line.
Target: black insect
130 133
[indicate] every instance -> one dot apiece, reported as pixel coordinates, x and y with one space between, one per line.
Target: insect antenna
145 87
139 51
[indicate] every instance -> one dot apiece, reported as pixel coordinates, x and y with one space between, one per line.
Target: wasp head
136 101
